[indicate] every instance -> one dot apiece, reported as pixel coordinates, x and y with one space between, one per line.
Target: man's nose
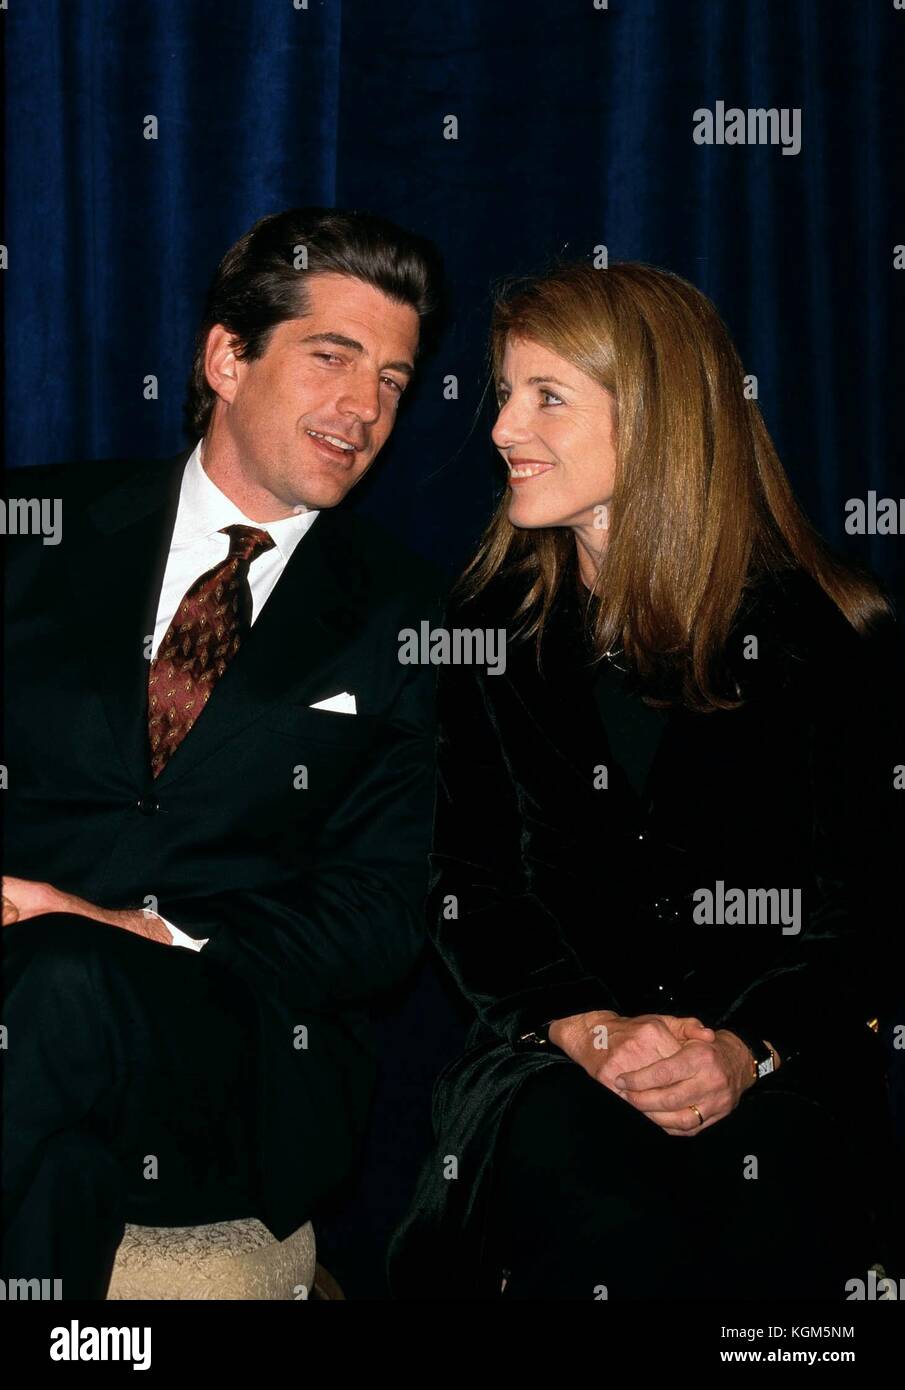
361 398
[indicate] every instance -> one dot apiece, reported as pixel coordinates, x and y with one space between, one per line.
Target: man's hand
607 1044
24 898
710 1075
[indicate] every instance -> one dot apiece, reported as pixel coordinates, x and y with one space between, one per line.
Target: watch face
764 1068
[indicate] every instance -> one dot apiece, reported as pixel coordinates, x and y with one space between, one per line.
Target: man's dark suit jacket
312 896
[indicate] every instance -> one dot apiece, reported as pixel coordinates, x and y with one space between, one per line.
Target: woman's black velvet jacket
552 895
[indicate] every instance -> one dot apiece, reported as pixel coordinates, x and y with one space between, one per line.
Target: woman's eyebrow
536 381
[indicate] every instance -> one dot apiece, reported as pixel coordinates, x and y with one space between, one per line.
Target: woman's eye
547 397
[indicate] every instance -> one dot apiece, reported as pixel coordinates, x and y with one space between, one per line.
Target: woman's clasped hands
681 1074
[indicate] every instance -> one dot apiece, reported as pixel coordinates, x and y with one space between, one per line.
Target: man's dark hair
261 281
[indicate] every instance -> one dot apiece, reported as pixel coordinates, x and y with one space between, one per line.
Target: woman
664 839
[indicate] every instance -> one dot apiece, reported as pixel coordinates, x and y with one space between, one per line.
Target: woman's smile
523 470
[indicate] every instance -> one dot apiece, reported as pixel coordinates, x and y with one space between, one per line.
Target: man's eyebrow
340 340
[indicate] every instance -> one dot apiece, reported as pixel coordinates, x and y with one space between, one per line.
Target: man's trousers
127 1096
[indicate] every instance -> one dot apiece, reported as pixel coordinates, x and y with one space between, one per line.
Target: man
220 783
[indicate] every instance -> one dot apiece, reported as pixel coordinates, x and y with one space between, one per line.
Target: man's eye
329 356
395 384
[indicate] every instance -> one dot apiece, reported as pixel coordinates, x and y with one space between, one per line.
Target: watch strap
763 1055
538 1037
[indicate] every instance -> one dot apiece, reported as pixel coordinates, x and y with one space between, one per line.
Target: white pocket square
344 703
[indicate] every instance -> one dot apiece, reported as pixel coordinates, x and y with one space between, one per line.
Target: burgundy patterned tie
204 636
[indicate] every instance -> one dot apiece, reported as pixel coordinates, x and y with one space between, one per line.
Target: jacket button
148 805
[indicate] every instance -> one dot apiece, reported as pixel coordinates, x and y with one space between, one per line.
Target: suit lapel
117 568
315 608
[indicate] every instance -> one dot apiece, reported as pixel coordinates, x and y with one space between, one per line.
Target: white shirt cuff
180 938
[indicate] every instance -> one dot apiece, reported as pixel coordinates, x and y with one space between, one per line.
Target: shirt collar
203 510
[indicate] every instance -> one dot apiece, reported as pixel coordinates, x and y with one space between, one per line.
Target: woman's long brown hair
701 503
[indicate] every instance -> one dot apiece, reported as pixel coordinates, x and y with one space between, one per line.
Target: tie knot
245 542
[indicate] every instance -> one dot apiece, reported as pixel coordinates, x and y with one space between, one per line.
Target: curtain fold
574 131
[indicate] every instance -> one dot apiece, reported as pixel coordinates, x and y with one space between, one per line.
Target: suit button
148 805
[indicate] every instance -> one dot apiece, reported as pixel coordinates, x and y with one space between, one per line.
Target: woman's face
556 434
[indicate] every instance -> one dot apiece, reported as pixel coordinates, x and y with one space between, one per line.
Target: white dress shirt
197 545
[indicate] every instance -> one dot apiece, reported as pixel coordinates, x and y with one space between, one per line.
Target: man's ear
221 365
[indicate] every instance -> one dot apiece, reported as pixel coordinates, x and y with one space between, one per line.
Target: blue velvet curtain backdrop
575 124
575 129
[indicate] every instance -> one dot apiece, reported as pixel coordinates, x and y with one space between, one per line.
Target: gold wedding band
697 1112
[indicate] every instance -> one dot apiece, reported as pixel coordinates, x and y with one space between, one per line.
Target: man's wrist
144 923
133 919
138 920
